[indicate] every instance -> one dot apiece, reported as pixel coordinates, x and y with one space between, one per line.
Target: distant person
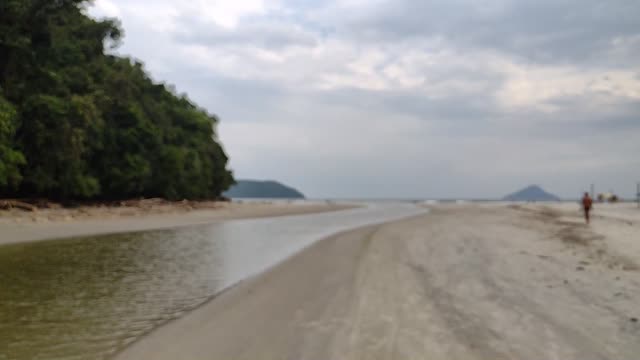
587 203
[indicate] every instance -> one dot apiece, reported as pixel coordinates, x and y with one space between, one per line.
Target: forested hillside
78 123
262 189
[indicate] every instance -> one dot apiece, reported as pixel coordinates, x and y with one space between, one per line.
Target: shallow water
87 298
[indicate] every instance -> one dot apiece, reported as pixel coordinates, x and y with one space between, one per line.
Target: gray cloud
541 31
459 98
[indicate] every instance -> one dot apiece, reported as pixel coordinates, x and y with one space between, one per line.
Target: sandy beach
20 226
472 281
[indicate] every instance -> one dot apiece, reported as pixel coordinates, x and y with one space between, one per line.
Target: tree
77 123
10 158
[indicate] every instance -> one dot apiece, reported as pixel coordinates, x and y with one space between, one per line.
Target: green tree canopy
79 123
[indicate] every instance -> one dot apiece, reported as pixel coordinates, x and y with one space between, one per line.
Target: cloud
106 8
459 98
266 35
541 31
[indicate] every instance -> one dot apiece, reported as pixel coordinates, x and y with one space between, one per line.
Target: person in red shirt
587 203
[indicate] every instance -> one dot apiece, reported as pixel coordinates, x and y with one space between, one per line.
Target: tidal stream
89 297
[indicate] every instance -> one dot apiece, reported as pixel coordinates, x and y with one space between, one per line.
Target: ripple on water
86 298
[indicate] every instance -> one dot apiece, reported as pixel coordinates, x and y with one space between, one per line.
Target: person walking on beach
587 202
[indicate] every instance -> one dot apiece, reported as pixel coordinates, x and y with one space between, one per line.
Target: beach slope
462 282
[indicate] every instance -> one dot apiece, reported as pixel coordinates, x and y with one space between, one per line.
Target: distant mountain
262 189
531 193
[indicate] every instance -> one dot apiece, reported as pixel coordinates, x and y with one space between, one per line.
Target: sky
406 99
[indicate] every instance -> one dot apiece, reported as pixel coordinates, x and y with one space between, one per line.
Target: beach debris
634 319
10 204
580 268
630 267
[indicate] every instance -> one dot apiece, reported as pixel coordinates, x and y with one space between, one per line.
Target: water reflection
85 298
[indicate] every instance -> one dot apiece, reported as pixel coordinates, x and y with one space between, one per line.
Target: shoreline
453 283
239 292
246 284
55 224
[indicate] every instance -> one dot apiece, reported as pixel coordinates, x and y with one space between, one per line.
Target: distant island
262 189
531 193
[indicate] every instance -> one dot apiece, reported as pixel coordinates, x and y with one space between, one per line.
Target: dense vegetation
79 123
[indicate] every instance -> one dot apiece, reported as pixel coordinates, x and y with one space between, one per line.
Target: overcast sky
418 99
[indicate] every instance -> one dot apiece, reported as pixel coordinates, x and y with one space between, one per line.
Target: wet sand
462 282
19 226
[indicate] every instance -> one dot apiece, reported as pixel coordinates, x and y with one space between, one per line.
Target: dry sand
462 282
20 226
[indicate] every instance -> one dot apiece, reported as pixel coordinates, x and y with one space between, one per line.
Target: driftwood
10 204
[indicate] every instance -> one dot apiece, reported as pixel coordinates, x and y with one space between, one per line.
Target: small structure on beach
608 197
